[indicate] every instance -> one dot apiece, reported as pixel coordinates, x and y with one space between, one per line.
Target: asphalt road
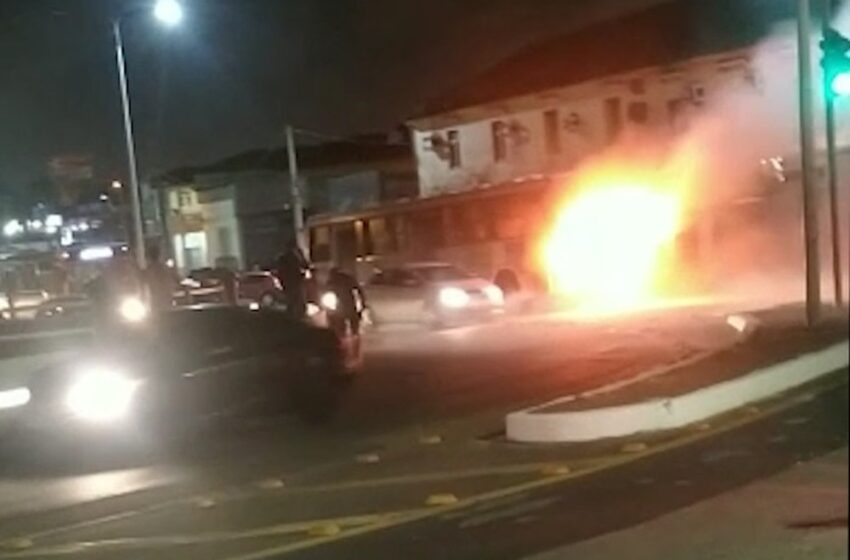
419 430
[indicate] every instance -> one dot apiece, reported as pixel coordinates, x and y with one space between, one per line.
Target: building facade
239 215
550 132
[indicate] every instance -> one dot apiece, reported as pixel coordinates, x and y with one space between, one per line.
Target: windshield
440 273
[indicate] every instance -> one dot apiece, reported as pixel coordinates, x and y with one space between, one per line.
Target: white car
26 302
436 294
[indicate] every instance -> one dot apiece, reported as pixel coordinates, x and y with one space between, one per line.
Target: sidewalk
782 353
800 513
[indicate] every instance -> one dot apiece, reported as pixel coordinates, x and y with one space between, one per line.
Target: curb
531 426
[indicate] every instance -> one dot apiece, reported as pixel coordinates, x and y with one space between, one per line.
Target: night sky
236 71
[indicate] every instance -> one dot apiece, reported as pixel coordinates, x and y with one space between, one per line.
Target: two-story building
237 212
551 105
490 153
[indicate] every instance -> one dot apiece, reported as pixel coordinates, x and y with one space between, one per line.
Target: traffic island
780 355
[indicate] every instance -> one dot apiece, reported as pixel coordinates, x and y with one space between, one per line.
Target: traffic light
836 63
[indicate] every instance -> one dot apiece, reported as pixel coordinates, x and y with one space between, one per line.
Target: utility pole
135 197
296 204
831 168
807 162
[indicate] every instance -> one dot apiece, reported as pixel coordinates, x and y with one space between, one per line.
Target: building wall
221 227
587 120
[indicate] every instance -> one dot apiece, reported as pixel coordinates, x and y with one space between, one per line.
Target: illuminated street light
117 185
167 12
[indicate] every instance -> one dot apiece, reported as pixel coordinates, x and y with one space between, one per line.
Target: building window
638 112
499 132
184 198
454 149
225 247
613 118
552 131
381 236
320 244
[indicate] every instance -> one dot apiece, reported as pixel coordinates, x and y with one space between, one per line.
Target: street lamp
167 12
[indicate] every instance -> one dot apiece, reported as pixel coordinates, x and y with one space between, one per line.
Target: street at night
417 456
385 278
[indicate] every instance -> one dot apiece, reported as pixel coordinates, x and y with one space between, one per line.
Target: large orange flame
611 242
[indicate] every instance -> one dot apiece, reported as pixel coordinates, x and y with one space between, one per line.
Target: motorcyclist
292 268
119 281
344 312
160 282
349 302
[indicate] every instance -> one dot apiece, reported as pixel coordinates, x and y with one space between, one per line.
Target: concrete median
684 394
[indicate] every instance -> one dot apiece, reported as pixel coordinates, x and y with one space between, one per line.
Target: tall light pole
296 203
169 13
807 162
836 69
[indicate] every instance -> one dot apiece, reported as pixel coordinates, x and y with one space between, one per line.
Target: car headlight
133 310
494 294
313 309
329 301
101 395
453 298
13 398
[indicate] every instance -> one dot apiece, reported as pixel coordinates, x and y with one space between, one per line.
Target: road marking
315 528
353 526
513 510
737 421
524 468
368 458
437 500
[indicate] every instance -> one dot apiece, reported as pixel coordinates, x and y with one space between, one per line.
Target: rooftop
660 35
312 157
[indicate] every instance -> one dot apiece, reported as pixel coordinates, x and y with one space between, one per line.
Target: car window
395 277
407 278
440 273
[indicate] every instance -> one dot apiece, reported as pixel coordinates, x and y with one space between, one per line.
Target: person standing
292 268
10 289
160 282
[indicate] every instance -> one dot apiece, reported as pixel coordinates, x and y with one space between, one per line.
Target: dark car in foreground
182 366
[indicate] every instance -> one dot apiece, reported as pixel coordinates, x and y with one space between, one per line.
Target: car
65 306
26 304
259 287
181 367
436 294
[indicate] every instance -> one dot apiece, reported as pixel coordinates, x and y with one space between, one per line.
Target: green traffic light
840 84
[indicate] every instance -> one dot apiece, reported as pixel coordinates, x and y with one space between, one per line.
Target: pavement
799 513
417 447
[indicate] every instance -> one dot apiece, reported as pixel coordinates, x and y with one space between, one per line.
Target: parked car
436 294
26 303
260 287
188 364
65 306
